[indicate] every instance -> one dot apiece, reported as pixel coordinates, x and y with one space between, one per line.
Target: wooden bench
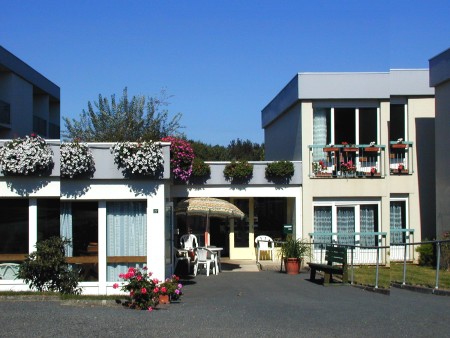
333 255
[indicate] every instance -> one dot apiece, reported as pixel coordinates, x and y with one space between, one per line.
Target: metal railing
346 161
401 158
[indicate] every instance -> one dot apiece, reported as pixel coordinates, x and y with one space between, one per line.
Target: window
397 127
347 224
13 227
351 125
79 223
270 216
47 218
398 221
126 233
241 226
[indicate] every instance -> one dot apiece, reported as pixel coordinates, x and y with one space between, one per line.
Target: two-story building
366 141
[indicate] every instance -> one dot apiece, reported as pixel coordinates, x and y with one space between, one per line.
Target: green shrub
46 269
426 254
238 170
200 168
280 169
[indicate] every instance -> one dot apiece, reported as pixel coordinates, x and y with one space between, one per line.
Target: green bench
336 258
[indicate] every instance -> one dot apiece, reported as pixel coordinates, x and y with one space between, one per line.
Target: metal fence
440 256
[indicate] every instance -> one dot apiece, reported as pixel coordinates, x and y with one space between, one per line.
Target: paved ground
247 304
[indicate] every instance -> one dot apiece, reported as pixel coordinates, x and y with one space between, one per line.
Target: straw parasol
208 207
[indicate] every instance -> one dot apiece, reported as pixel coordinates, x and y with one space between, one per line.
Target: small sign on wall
155 211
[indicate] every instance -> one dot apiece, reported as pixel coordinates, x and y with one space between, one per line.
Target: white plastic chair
204 258
264 243
189 241
8 271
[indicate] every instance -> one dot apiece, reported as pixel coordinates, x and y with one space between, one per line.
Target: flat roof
348 86
12 63
440 68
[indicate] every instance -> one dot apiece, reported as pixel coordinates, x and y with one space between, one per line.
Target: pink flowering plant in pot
144 291
181 158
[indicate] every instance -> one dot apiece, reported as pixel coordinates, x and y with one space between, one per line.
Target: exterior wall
19 94
442 159
286 127
29 94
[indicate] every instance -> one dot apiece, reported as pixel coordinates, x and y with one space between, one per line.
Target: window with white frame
126 236
346 223
398 220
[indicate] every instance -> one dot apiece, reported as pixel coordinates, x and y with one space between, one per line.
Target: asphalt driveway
241 304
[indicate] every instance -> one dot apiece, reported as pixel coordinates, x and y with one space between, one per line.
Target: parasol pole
207 229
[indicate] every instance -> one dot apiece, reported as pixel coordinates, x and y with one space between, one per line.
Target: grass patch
415 275
420 276
365 275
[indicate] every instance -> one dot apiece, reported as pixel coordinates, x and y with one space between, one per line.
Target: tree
125 120
47 270
236 150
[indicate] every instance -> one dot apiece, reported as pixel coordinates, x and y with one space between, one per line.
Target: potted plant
292 252
238 171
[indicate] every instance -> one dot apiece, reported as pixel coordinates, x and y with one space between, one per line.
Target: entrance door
242 231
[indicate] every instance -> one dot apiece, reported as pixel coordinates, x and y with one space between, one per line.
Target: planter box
372 149
328 149
322 175
399 146
349 149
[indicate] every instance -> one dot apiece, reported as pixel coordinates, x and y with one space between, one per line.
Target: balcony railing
400 158
347 161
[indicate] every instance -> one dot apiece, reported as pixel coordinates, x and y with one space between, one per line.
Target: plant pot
292 265
164 299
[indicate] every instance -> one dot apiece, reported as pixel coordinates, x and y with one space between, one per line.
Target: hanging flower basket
144 158
26 156
181 158
76 160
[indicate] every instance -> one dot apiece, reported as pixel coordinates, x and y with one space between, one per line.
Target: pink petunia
150 309
144 291
155 290
163 290
115 286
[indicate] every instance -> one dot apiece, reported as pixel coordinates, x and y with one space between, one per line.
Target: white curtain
322 223
367 224
65 226
345 225
319 132
396 222
126 232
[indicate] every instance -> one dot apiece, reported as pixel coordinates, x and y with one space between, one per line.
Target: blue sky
222 61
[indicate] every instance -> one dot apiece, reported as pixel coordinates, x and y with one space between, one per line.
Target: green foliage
426 254
138 119
238 170
295 248
200 168
237 150
281 169
46 269
245 150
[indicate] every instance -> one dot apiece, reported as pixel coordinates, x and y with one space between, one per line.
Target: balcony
400 158
347 161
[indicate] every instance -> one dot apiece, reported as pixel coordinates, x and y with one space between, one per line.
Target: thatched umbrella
208 207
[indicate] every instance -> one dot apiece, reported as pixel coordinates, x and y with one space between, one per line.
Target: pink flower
144 268
180 286
121 275
139 277
177 291
150 309
163 290
144 291
155 280
115 286
155 290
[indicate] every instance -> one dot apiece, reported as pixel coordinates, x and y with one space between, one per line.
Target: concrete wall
442 158
283 137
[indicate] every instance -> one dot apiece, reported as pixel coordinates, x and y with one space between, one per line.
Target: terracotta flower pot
292 265
164 299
